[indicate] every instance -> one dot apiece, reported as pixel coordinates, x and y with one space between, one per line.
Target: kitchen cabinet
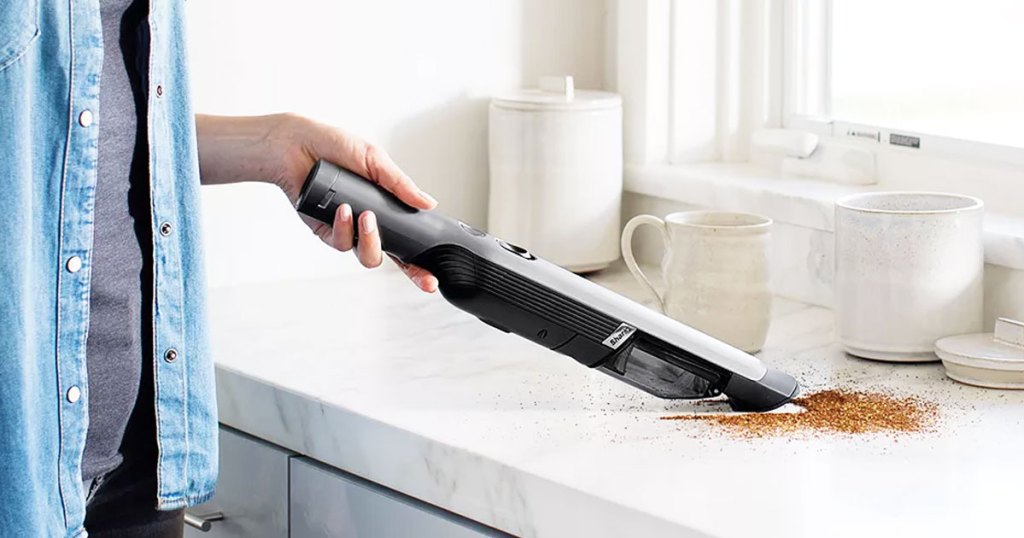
265 491
252 490
328 502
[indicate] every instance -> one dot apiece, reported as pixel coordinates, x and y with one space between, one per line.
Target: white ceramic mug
909 269
715 270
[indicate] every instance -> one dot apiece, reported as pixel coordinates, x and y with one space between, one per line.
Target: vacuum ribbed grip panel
461 271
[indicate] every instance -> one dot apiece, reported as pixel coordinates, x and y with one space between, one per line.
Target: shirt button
85 118
171 355
159 90
165 229
74 393
74 264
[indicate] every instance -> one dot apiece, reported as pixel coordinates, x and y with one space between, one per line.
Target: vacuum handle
405 232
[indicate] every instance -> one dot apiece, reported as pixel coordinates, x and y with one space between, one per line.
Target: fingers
365 159
418 275
375 164
343 228
319 229
368 249
383 170
340 235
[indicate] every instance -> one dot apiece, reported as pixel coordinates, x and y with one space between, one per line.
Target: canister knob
559 84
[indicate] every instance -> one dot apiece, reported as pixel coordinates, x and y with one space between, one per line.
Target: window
935 74
921 83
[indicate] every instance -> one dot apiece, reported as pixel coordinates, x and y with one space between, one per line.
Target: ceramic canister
556 172
909 269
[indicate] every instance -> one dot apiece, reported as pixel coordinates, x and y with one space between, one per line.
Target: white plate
979 359
890 356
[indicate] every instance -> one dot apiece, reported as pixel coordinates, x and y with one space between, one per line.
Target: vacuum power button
517 250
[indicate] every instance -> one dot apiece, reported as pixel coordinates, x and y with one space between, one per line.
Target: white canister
556 173
909 269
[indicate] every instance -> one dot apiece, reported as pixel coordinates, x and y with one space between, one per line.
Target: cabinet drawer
252 490
328 502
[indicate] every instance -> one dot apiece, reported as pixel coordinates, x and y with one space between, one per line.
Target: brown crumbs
837 411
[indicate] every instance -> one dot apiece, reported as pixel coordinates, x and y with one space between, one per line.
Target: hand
282 148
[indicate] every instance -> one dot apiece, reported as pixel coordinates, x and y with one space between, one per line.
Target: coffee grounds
837 411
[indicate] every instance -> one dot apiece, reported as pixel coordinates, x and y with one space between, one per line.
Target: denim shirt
51 53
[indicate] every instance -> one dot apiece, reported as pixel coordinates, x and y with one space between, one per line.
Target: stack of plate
994 360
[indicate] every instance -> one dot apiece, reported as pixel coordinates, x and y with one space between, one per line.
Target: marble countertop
368 375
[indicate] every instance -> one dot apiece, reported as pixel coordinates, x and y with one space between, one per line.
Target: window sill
801 202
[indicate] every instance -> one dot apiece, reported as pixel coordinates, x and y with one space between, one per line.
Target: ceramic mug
909 269
715 270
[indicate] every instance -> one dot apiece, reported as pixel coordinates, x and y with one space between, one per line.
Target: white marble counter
370 376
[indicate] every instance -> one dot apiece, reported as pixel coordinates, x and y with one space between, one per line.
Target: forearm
242 148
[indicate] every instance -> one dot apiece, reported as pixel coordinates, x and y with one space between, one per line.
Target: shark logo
619 335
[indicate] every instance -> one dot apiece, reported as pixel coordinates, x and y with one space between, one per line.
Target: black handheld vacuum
514 291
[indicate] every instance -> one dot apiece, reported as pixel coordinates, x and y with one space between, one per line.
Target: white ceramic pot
556 173
716 273
909 269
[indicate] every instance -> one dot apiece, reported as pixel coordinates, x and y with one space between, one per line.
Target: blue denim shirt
51 52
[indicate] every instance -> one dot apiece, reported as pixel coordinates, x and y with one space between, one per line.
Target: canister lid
557 93
993 359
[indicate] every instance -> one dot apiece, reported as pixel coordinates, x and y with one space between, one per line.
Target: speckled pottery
716 273
909 269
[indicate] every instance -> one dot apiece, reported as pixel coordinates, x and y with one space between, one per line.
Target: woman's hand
282 148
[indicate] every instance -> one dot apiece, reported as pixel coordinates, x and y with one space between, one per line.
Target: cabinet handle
203 523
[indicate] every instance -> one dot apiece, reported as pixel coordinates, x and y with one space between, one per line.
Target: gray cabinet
252 490
265 491
328 502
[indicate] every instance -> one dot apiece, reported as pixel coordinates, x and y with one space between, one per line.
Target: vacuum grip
405 232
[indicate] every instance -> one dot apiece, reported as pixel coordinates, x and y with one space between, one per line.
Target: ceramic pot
909 269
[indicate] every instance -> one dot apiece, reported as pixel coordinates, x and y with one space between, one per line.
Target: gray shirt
120 302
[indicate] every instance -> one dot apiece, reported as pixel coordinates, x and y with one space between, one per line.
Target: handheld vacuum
514 291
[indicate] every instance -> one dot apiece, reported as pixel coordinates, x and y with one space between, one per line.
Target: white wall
412 76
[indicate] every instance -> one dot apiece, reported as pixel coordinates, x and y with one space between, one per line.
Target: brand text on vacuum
619 335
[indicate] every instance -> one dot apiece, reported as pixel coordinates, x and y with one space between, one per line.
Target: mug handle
627 251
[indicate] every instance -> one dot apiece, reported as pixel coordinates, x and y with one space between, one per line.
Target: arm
281 148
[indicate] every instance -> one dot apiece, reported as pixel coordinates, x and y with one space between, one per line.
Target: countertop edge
511 508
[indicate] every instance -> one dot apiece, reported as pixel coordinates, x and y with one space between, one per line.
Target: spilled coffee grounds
837 411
